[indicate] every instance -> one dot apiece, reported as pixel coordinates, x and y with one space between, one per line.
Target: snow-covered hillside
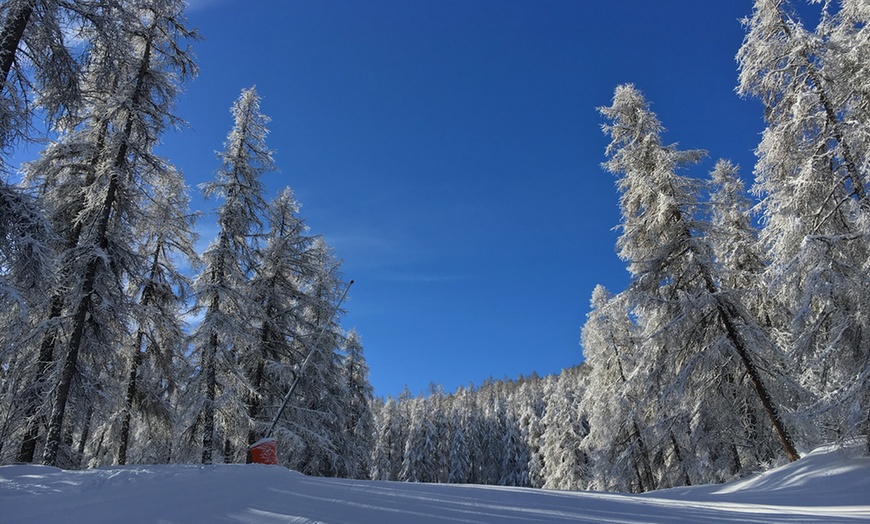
828 485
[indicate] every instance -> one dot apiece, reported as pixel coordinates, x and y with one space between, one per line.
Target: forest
742 339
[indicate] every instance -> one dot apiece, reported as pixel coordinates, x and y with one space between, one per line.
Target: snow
829 485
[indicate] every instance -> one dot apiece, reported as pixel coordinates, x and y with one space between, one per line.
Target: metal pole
298 374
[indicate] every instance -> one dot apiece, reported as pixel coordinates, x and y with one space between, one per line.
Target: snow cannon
265 451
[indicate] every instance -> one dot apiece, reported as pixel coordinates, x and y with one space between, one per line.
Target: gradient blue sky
450 150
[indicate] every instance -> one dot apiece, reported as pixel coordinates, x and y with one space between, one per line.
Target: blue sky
450 150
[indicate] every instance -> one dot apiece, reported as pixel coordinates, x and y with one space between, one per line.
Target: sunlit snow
828 485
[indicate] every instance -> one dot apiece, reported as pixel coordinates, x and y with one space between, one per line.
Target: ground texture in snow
828 485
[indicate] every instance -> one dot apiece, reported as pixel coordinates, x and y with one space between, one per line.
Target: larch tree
38 71
286 264
360 420
565 462
812 178
618 454
159 342
690 329
225 334
105 164
315 422
390 434
38 67
459 447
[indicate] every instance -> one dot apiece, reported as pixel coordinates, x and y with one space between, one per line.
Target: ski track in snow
829 485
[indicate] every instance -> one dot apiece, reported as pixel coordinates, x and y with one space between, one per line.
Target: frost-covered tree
690 330
420 454
459 447
565 462
97 177
391 429
530 408
160 341
812 178
733 237
616 447
360 421
224 335
38 64
286 264
314 425
38 71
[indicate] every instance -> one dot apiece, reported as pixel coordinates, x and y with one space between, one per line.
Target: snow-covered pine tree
108 160
419 455
391 428
360 421
565 462
47 78
459 447
160 341
530 408
286 266
27 263
736 247
315 422
690 330
812 178
619 456
225 334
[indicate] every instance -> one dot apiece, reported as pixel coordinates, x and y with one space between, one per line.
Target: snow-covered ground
828 485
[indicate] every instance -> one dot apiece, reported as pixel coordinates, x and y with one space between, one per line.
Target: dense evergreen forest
742 338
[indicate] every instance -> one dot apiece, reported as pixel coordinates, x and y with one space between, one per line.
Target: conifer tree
812 178
38 70
314 425
360 421
675 293
225 334
160 341
565 463
278 286
616 443
108 159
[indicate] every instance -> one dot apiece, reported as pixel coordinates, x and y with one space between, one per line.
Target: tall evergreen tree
360 421
318 418
565 462
616 443
108 161
38 69
812 178
286 265
225 333
160 340
675 293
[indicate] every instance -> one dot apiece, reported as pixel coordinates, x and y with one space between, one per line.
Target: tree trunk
138 356
83 439
27 451
727 316
11 37
102 241
209 363
69 369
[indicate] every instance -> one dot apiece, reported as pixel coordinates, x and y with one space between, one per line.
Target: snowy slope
829 485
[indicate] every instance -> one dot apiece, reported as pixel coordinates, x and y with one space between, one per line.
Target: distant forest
742 338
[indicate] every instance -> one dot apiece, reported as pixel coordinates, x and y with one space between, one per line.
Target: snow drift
828 485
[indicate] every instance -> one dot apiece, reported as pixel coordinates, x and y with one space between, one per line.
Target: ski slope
828 485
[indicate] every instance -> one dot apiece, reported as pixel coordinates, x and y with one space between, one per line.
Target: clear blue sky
450 150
